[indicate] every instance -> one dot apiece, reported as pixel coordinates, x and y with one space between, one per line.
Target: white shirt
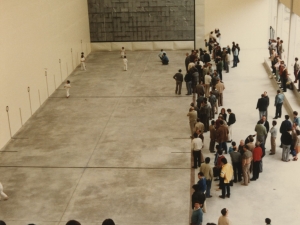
196 144
207 79
273 132
82 59
67 86
125 60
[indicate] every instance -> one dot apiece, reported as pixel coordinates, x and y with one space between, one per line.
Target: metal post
39 97
60 70
7 109
21 116
28 89
72 59
47 83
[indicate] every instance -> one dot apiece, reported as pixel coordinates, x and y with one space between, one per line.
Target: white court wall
35 34
243 21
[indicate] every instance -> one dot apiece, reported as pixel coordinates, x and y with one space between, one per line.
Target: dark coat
222 134
262 104
286 138
285 126
206 58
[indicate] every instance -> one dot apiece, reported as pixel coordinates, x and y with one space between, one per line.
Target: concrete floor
119 148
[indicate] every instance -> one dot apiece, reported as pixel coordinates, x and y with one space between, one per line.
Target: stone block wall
141 20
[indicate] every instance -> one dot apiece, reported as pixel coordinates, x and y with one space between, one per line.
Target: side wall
35 36
243 21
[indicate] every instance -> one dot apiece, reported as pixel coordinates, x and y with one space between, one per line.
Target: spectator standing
273 133
286 140
207 81
222 136
196 147
220 87
223 219
236 160
201 182
179 79
192 114
278 104
257 156
246 162
208 174
231 121
262 106
296 69
226 177
212 133
188 81
197 215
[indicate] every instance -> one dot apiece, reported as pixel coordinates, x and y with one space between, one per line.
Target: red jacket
257 154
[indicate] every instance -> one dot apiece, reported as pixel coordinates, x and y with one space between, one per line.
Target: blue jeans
235 61
189 87
208 187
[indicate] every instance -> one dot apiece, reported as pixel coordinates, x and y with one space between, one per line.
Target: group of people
279 67
206 85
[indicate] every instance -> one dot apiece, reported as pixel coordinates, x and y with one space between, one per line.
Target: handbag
231 183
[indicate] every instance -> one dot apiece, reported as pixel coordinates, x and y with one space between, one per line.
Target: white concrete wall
35 34
142 46
243 21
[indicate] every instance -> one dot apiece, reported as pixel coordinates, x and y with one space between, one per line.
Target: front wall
141 20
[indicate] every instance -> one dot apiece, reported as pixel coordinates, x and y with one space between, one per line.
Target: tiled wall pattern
141 20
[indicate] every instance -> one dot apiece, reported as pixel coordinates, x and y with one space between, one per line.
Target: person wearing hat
179 79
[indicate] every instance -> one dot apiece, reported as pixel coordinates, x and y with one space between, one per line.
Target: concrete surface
119 148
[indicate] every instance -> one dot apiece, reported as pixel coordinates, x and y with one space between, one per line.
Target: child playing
125 63
67 87
123 52
2 194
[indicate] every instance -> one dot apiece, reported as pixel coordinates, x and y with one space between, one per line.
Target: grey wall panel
141 20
